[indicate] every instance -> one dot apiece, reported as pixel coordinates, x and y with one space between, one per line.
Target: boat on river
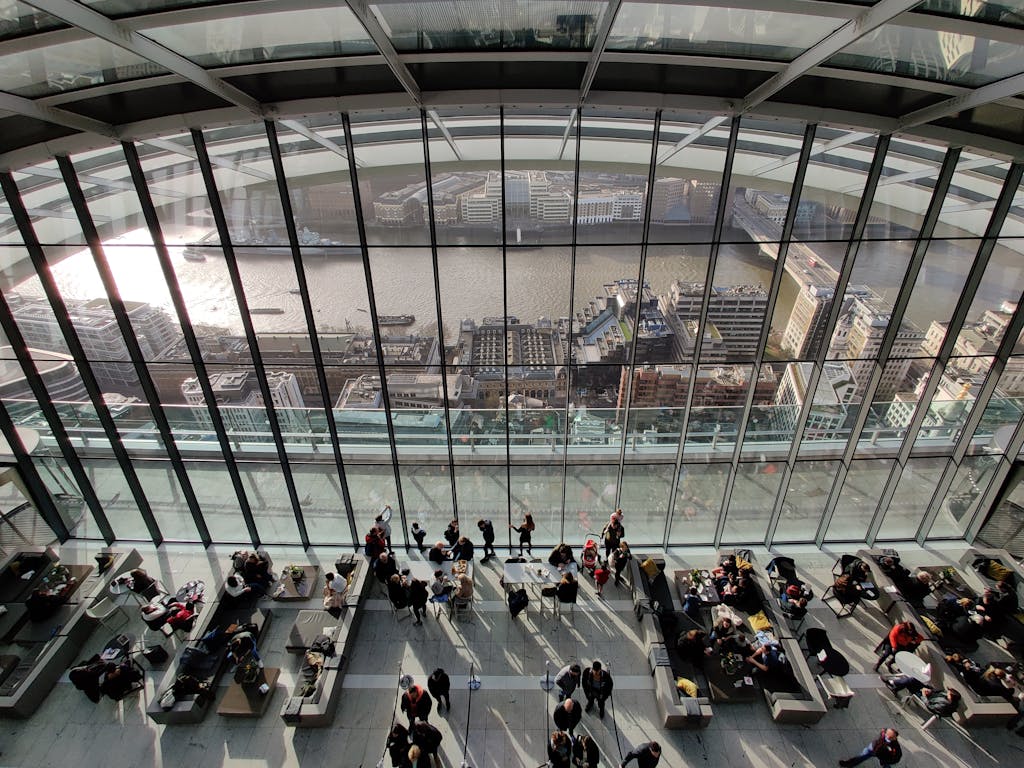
396 319
272 244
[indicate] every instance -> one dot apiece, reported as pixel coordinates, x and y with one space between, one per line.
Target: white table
424 570
531 573
913 665
121 592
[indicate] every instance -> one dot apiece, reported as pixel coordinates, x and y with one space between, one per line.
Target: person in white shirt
383 522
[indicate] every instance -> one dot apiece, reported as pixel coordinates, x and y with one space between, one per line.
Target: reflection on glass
858 499
961 502
753 496
714 31
809 486
698 501
913 492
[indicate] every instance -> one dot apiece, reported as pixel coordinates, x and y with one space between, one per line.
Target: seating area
48 616
345 709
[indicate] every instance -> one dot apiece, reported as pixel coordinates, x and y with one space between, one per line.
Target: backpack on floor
517 602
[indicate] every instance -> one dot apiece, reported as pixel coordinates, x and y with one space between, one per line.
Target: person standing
601 576
567 680
451 533
597 686
383 522
902 637
419 535
619 558
487 529
398 746
525 531
885 748
418 596
416 704
647 755
612 534
567 716
463 550
428 739
559 750
440 685
585 752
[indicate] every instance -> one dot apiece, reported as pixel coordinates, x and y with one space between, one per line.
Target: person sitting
938 702
120 680
723 629
769 658
950 609
437 554
141 583
384 567
398 591
335 588
255 573
241 645
858 571
561 556
845 589
41 605
463 587
568 589
693 646
727 567
235 588
180 616
441 588
692 605
914 588
463 550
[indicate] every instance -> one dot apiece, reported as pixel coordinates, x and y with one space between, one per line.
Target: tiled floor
507 721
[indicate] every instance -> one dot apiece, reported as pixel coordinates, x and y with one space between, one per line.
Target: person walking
619 559
451 533
383 521
525 531
487 529
902 637
418 596
646 755
416 704
428 739
885 748
440 685
597 686
567 680
419 535
559 750
398 746
567 716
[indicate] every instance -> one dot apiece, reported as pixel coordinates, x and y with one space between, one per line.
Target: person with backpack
886 748
525 532
374 544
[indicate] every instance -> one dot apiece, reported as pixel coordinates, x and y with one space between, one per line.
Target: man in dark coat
487 529
567 716
646 755
428 739
597 685
440 685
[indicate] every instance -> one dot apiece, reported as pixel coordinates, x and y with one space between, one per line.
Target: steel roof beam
444 130
173 146
979 97
383 42
710 125
19 105
600 40
95 23
836 143
303 130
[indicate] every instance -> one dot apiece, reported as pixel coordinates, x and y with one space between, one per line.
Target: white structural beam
444 130
566 132
986 94
600 40
874 17
687 140
323 141
28 108
95 23
928 173
100 181
981 205
220 162
382 40
840 141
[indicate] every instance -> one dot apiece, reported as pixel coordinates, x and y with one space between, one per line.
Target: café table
911 664
120 593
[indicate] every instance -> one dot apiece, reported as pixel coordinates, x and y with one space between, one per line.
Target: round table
121 592
911 664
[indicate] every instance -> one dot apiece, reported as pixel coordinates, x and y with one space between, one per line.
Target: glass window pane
268 497
714 31
910 501
958 507
753 496
698 501
293 34
809 487
537 490
858 500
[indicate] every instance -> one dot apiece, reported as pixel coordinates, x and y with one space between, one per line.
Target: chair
138 683
845 609
460 605
559 602
103 610
831 661
781 571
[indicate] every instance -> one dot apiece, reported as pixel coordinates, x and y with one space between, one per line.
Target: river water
541 281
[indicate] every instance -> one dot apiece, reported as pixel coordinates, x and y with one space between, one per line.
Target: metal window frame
191 341
446 405
217 209
504 320
364 250
135 354
60 312
974 278
307 311
943 181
